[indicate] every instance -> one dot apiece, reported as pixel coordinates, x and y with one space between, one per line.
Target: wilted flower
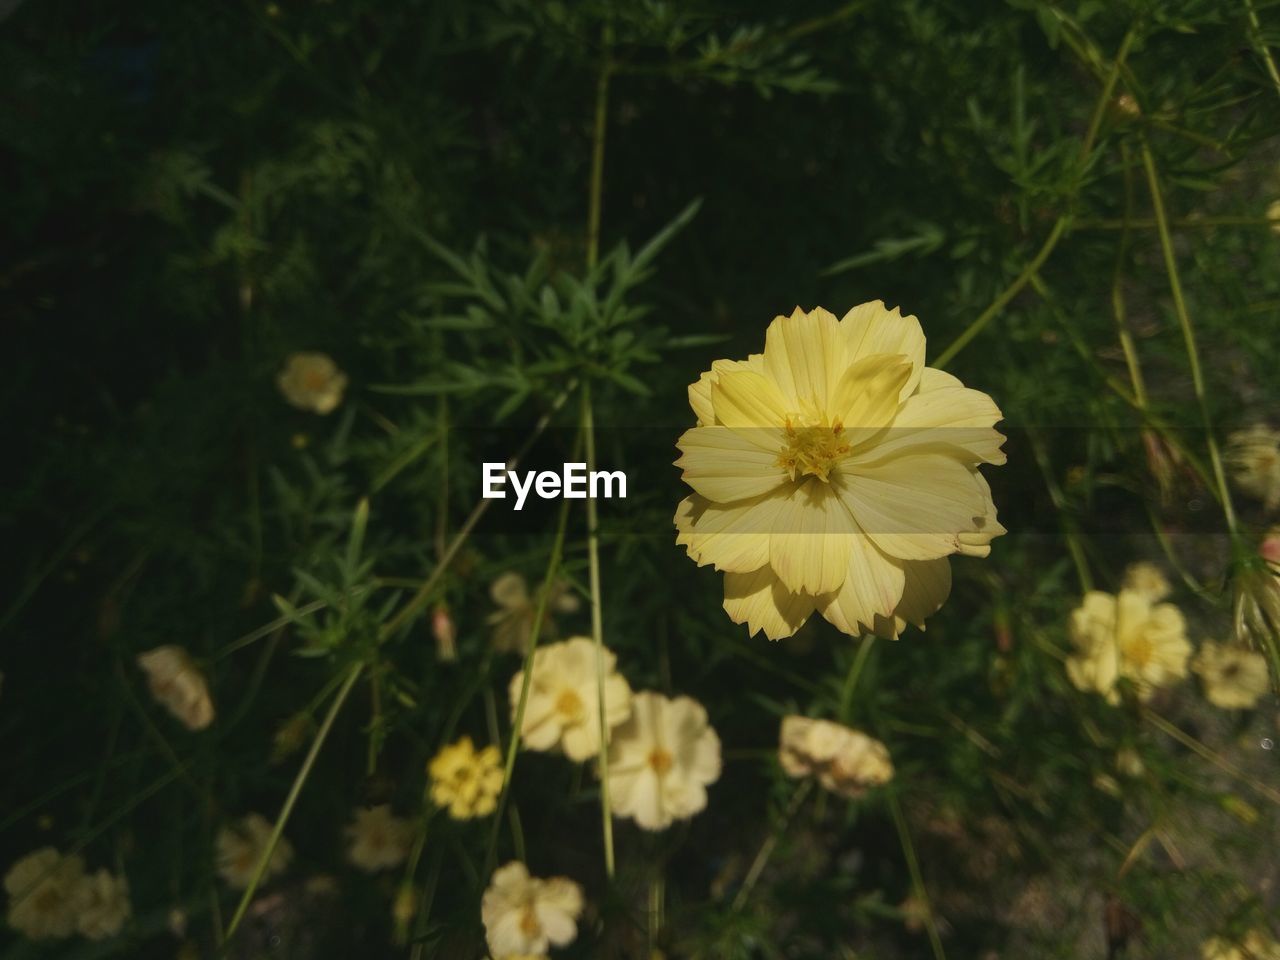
42 890
1256 945
177 684
378 840
1146 578
1234 678
102 905
662 760
844 761
241 845
1254 456
835 472
312 381
513 622
466 782
562 711
525 916
1126 636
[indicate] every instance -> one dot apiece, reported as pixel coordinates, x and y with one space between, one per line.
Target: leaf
928 240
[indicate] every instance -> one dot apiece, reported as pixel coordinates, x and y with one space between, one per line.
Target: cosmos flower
1127 636
102 905
240 846
662 760
312 382
42 889
464 781
512 622
1146 578
836 473
562 712
1234 678
1254 457
178 685
843 760
378 840
525 916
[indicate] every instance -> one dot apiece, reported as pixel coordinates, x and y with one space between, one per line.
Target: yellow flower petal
872 587
723 466
805 355
811 538
732 537
866 398
928 584
760 601
946 415
747 401
870 328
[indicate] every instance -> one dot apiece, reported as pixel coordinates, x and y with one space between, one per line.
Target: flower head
1234 678
241 845
1127 636
512 622
836 472
102 905
464 781
378 840
662 760
526 916
42 889
1254 457
1146 578
562 710
844 761
1256 945
177 683
313 382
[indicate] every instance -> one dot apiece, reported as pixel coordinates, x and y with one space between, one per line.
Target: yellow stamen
813 449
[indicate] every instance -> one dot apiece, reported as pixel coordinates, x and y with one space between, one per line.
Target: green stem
1255 34
596 188
917 880
766 849
851 678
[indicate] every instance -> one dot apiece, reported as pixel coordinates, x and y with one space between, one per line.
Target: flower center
529 925
315 380
1140 651
569 705
660 760
813 449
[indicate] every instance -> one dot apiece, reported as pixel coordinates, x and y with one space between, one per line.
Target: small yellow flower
313 382
512 622
1254 457
466 782
240 846
1256 945
1273 214
844 761
378 840
42 889
525 916
1234 678
835 472
102 905
562 712
1146 578
662 760
1127 636
178 685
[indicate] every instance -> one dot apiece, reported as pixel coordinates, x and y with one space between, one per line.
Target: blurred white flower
178 685
42 888
378 840
1148 579
525 916
662 760
312 381
102 905
1234 678
1126 636
512 622
562 711
1254 456
844 761
241 845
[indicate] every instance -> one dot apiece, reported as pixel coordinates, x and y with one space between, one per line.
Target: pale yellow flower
662 760
178 685
241 845
526 916
378 840
464 781
1256 945
1234 678
843 760
1146 578
836 472
42 894
1254 457
102 905
1127 636
512 622
312 381
562 712
1273 214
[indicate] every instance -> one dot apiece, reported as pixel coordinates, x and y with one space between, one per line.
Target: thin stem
766 849
1064 511
1117 291
851 678
917 880
597 630
294 791
1183 223
597 152
1188 334
1191 743
1255 34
